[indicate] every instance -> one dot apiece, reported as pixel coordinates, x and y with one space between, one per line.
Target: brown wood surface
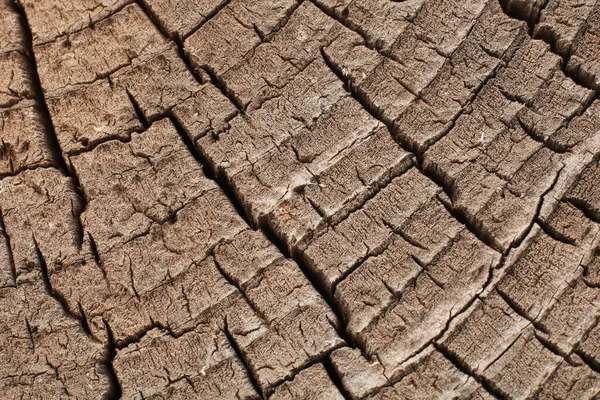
300 199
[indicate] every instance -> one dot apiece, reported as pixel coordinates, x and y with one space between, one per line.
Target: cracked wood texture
300 199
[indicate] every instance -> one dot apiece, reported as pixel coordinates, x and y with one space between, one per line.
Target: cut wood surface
300 199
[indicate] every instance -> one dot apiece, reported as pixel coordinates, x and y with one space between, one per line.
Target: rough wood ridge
288 199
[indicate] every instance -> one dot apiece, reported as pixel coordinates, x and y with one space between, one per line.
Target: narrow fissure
207 18
225 91
370 44
57 296
554 233
9 252
115 391
320 359
589 360
539 137
175 37
115 9
584 207
38 93
296 256
373 253
335 379
538 210
138 110
243 360
465 369
526 11
241 290
516 307
209 170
